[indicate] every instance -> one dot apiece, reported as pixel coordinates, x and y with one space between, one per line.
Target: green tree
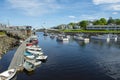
104 21
71 24
111 21
98 22
117 21
83 24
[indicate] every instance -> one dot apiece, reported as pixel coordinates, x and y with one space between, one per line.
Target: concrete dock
18 58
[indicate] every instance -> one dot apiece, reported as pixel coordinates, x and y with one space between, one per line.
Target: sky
49 13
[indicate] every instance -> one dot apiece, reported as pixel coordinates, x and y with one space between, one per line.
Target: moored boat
81 37
62 38
8 75
34 48
41 57
29 66
106 37
29 55
35 52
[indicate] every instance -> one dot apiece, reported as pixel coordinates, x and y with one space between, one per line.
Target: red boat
29 44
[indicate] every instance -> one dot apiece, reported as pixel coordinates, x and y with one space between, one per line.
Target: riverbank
6 43
91 31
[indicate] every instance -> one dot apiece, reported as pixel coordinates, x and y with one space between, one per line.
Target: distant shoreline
91 31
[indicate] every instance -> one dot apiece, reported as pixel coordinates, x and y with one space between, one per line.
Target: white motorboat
62 38
52 35
34 37
8 75
34 48
29 66
29 55
106 37
41 57
35 52
45 34
80 37
37 63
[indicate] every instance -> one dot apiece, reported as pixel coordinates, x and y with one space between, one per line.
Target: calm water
73 61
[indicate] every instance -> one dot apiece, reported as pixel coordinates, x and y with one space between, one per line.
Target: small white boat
106 37
80 37
34 37
29 66
62 38
34 48
30 57
45 34
41 57
8 75
68 36
37 63
35 52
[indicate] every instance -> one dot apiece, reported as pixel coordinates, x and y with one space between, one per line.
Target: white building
103 27
2 26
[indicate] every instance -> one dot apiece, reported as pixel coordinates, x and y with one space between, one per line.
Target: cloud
34 7
115 13
72 17
115 7
93 16
97 2
108 5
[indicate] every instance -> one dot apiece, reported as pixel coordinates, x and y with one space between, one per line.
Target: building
2 26
103 27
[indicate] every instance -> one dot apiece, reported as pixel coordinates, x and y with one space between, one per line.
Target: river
73 60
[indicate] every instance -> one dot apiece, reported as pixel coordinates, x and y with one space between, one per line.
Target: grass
2 33
89 31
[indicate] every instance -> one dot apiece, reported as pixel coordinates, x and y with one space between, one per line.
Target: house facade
103 27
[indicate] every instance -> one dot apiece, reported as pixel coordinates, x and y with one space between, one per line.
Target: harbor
59 40
25 57
70 57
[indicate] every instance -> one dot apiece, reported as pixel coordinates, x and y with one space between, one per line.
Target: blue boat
29 55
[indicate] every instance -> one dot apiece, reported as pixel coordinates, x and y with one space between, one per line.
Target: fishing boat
29 55
34 37
106 37
45 34
29 44
35 52
41 57
34 48
8 75
80 37
62 38
29 66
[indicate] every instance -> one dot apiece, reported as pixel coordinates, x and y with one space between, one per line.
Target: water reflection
62 42
104 43
14 78
45 37
29 73
81 43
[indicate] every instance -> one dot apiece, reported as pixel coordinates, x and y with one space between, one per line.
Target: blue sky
49 13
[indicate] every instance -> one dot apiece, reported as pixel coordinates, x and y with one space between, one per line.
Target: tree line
84 23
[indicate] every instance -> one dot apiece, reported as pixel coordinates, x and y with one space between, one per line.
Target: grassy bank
89 31
2 33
